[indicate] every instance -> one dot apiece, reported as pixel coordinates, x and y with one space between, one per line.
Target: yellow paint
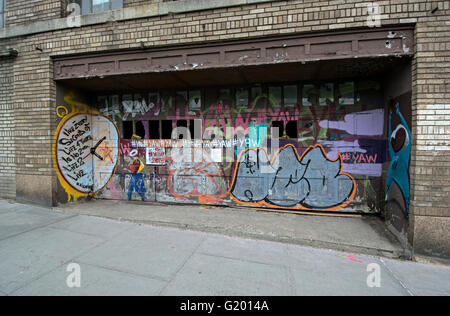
71 192
75 105
141 166
76 108
62 114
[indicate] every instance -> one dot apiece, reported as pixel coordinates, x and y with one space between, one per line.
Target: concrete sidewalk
122 258
366 235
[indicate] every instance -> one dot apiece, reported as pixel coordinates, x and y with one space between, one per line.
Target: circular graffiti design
86 152
61 111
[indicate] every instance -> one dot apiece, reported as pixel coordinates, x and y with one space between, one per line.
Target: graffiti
226 118
134 105
137 179
400 152
309 182
361 155
350 257
85 152
110 106
368 123
234 156
61 111
194 174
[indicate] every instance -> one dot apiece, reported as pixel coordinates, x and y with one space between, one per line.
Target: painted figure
400 151
137 179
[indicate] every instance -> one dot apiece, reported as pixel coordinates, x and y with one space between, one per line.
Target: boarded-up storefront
293 123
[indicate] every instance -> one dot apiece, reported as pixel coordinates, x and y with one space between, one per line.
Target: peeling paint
405 49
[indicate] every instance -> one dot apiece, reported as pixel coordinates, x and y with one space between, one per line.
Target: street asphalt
39 246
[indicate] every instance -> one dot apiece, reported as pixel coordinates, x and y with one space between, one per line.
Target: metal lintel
297 48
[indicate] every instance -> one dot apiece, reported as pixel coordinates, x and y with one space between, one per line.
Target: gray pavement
124 258
366 235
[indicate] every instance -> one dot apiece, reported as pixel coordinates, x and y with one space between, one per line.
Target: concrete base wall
35 189
432 236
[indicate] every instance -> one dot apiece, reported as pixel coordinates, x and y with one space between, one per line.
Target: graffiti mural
85 148
309 182
264 146
86 151
400 152
361 142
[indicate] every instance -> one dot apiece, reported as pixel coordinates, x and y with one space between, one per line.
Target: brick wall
135 3
35 92
20 12
7 124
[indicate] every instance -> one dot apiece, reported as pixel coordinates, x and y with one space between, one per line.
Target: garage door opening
294 137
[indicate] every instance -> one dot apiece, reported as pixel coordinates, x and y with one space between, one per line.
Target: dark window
291 129
242 97
310 95
166 128
280 126
154 130
181 98
182 123
346 93
326 97
182 126
140 128
127 129
290 94
275 96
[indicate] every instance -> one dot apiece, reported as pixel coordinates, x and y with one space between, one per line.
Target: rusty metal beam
302 48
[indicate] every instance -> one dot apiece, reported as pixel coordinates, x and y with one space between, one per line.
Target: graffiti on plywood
400 151
309 182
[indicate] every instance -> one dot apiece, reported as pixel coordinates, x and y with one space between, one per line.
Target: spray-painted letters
309 182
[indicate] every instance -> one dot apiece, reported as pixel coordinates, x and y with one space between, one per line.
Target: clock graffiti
86 152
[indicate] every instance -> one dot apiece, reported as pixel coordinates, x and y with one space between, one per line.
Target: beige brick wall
7 124
25 11
35 92
135 3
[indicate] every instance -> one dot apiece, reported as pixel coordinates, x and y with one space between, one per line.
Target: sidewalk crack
403 285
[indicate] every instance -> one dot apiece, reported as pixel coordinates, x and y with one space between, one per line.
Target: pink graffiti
351 257
360 158
220 116
154 111
115 192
